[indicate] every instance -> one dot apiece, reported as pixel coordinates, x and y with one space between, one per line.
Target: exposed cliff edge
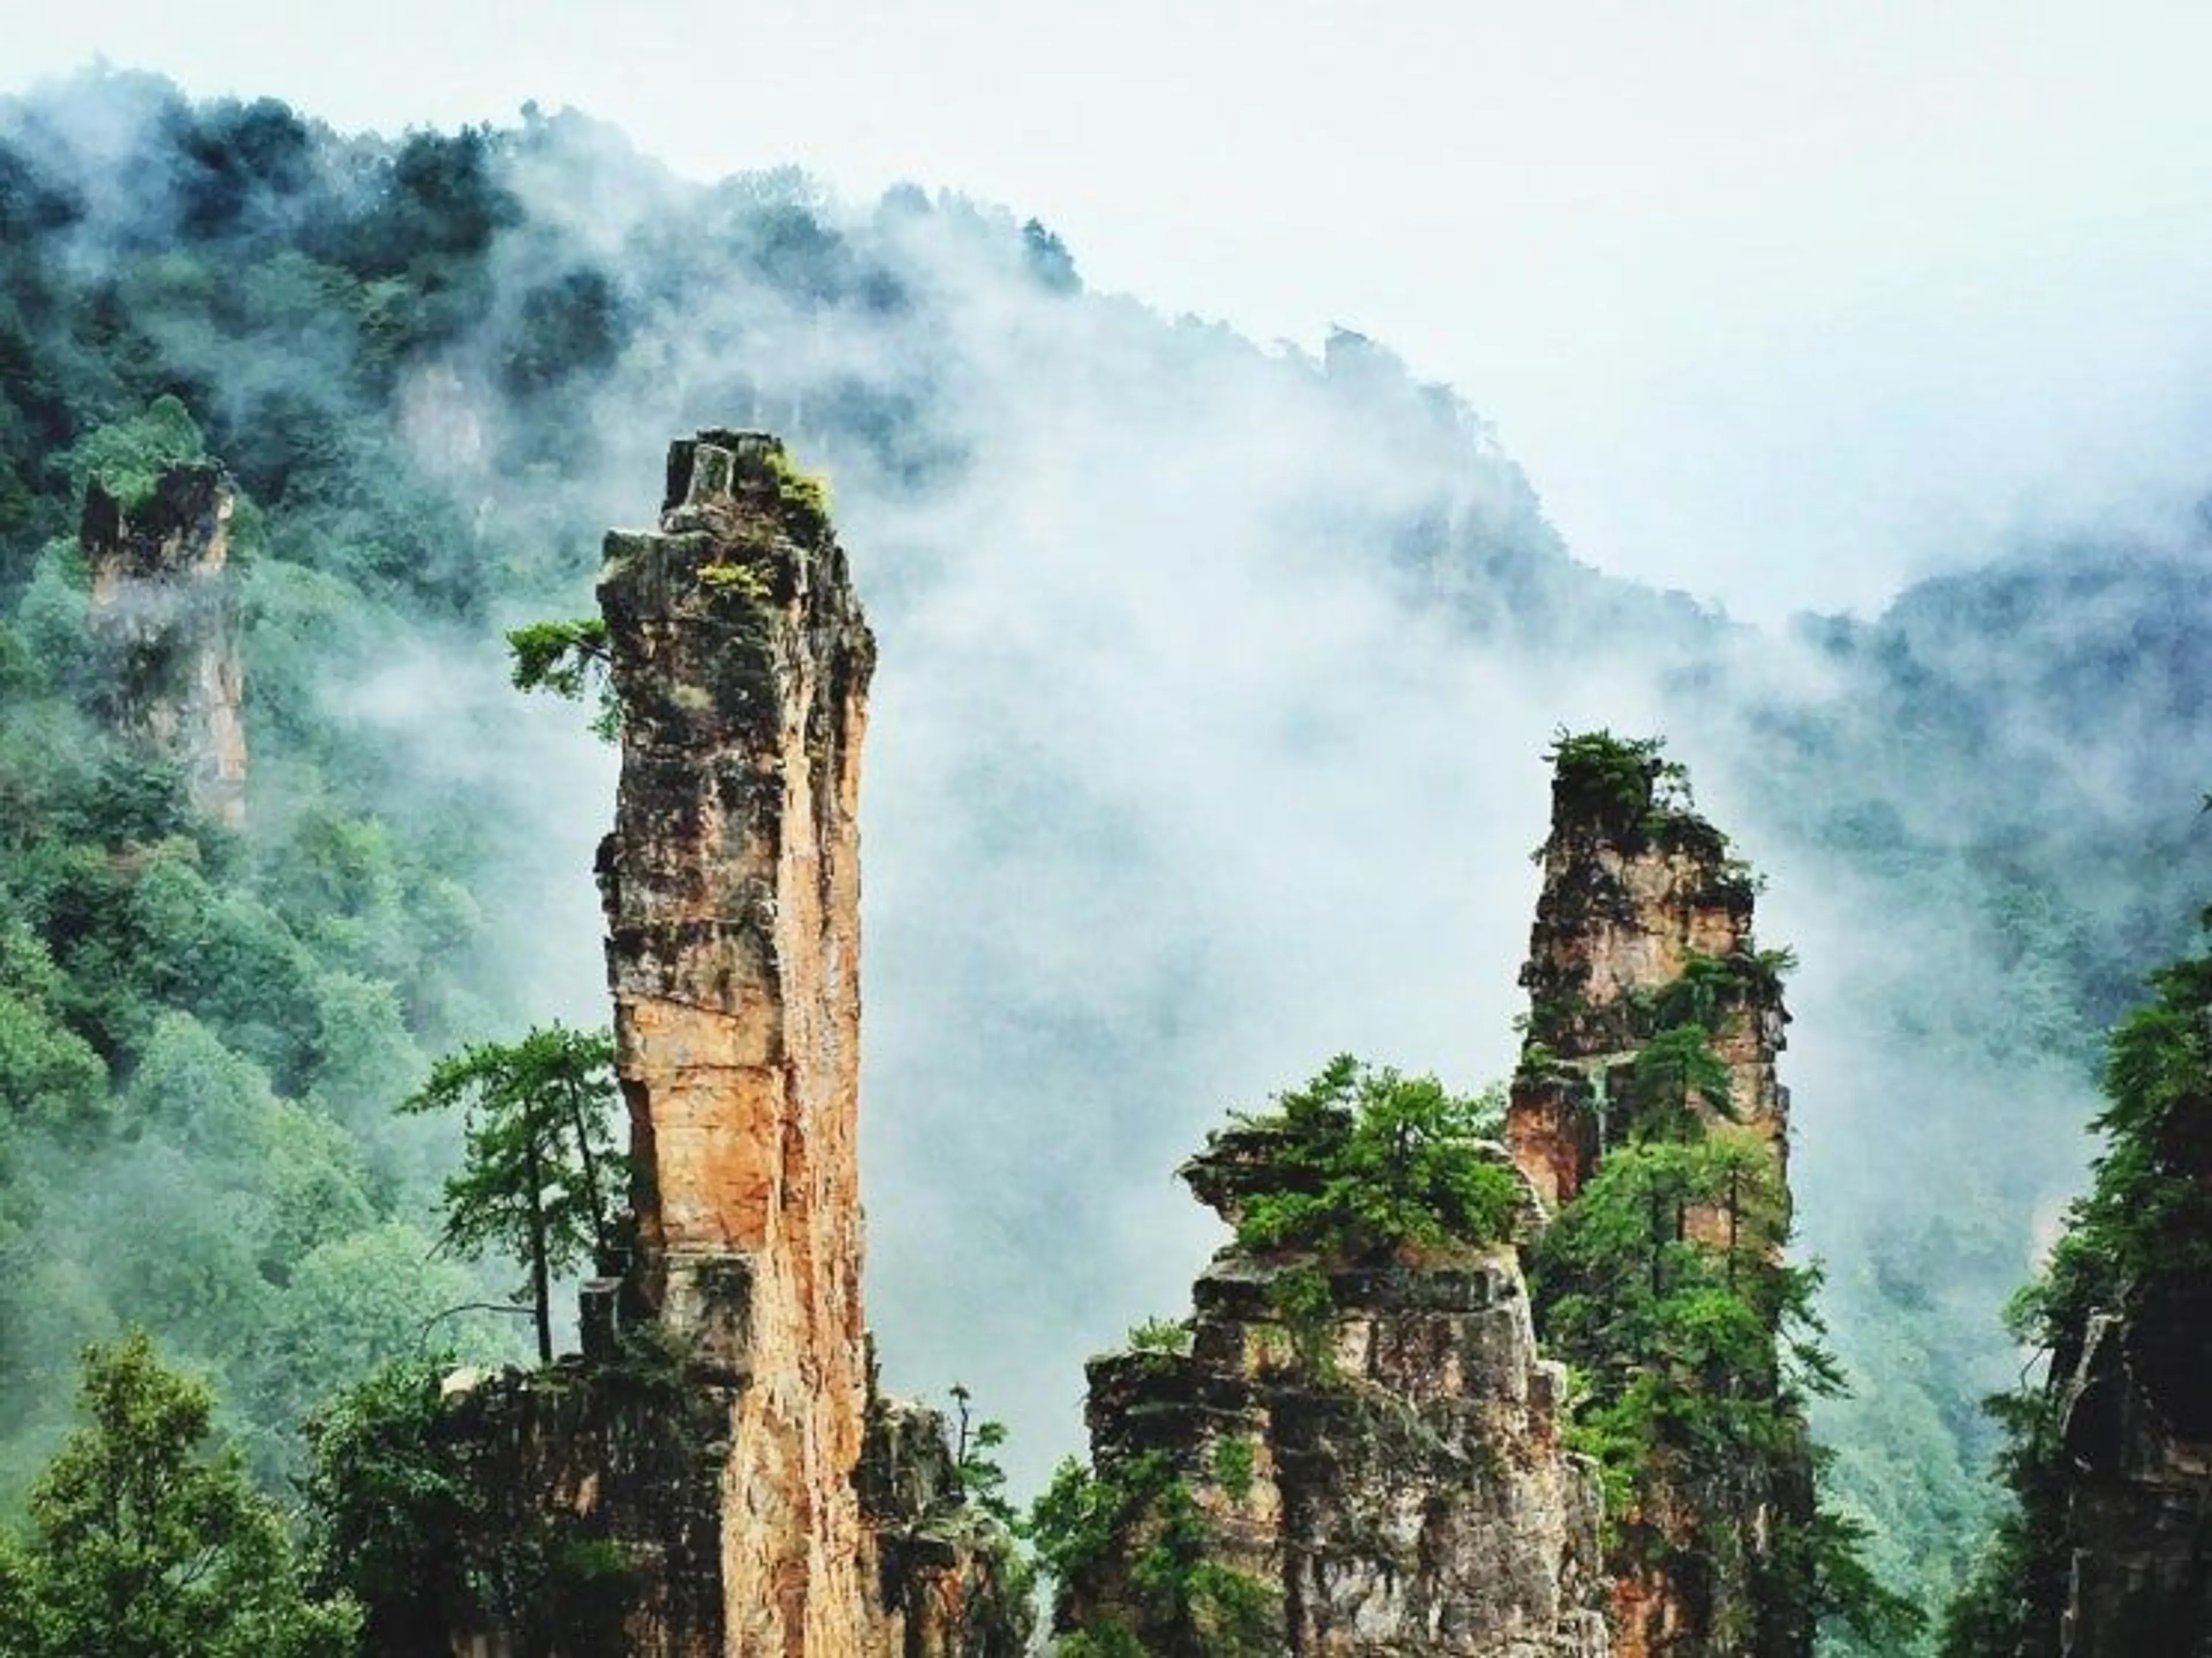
1352 1447
721 1442
2107 1549
1646 1110
164 612
2135 1432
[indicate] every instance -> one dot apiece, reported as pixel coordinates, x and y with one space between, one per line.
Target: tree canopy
1363 1159
146 1540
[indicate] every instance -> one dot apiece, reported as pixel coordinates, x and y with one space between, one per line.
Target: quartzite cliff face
731 886
1653 1026
721 1433
1360 1456
164 610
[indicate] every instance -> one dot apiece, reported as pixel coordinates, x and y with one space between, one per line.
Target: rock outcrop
1653 1026
2135 1433
721 1433
1643 922
948 1582
1345 1455
731 885
165 611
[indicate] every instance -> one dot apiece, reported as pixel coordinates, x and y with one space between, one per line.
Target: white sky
1779 302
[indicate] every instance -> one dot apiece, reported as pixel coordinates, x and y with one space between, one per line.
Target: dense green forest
1116 868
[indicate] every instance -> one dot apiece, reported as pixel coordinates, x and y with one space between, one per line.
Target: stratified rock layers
731 882
164 609
1384 1469
718 1458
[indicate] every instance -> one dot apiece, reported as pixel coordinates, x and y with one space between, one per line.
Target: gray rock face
165 614
2138 1508
1384 1474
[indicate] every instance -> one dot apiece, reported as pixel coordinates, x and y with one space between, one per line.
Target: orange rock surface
731 886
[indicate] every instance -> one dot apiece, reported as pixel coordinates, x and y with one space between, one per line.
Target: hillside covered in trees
1117 866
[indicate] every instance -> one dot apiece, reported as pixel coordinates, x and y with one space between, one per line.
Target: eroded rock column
1644 923
164 608
731 882
1653 1026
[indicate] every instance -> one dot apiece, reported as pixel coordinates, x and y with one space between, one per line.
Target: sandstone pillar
731 883
1653 1022
163 605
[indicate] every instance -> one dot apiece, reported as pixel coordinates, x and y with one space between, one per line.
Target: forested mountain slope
1214 684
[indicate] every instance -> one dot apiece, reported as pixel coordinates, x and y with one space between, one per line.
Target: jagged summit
1646 1112
1644 926
1352 1445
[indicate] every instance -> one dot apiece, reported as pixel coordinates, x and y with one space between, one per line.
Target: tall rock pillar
163 606
731 883
715 1475
1644 923
1646 1112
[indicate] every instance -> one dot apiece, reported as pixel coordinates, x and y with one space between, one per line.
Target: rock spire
165 610
1646 1112
719 1456
741 661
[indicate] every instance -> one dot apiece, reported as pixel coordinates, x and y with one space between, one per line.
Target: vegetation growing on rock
1140 1519
570 660
402 358
1361 1161
2110 1512
1352 1445
1663 1281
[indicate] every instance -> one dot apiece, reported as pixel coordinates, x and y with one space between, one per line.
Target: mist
1207 743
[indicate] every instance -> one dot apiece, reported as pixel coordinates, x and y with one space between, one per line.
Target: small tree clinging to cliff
541 1179
571 659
